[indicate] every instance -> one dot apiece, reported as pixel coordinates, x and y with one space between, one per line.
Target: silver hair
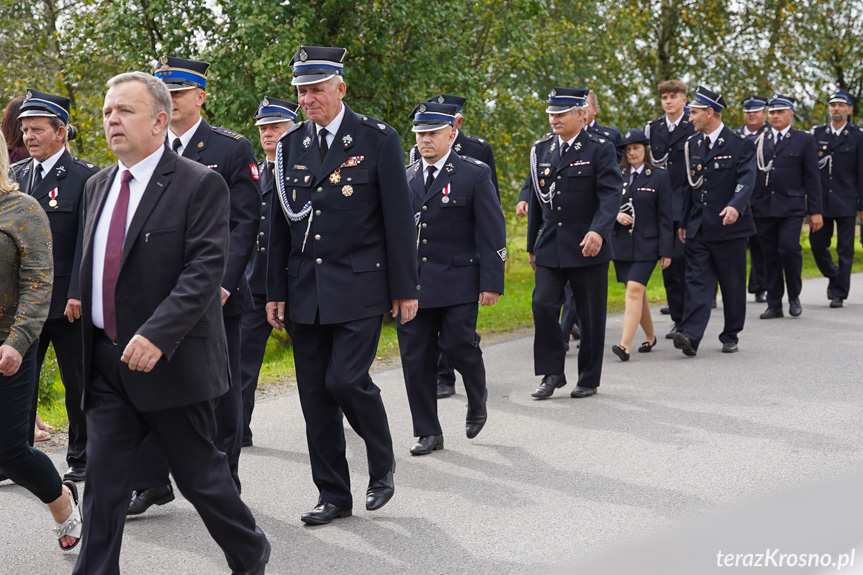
159 92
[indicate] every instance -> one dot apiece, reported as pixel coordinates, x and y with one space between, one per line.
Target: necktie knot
176 144
126 176
564 148
430 179
324 145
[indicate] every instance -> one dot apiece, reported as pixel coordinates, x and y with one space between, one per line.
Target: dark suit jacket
68 177
610 134
752 137
587 189
653 234
231 155
794 186
842 173
472 147
670 146
462 249
168 286
360 252
729 178
256 272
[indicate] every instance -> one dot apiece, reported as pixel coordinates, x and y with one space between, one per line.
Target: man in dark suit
346 257
668 135
715 224
273 118
788 188
155 244
840 158
231 156
57 180
576 184
607 132
461 244
755 124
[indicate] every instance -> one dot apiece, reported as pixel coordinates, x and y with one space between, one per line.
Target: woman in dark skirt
642 234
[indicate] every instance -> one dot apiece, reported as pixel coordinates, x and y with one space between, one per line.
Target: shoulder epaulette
293 128
545 138
87 164
375 124
470 160
229 133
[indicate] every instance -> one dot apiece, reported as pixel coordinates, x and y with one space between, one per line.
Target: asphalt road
668 442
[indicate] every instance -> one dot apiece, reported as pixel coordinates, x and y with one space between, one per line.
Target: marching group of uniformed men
331 231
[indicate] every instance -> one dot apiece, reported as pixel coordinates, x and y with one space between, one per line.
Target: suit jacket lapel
782 143
155 188
417 185
443 178
678 133
50 179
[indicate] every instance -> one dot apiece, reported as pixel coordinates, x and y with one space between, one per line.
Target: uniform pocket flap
299 178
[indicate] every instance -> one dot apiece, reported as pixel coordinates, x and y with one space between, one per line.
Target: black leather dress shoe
3 476
761 297
836 302
247 441
830 293
75 474
566 345
665 310
548 385
475 419
580 392
729 347
772 313
444 390
426 444
682 343
323 513
380 491
260 564
671 332
794 307
146 498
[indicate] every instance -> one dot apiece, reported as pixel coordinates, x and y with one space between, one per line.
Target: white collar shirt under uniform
332 128
185 138
438 166
141 174
46 165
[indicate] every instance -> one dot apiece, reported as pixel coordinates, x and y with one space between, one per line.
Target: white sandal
72 525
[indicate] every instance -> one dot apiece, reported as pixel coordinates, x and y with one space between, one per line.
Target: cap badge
422 109
347 139
303 55
626 137
347 191
440 99
28 96
553 93
265 102
307 142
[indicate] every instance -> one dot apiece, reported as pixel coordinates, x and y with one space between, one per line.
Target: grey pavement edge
668 442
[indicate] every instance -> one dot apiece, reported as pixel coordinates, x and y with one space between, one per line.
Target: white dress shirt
45 166
185 138
777 136
141 174
712 136
332 128
835 131
438 166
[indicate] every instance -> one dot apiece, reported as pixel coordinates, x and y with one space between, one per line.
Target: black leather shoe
247 441
671 332
665 310
829 292
444 390
3 476
620 352
713 305
380 491
146 498
794 307
580 392
682 343
426 444
566 345
75 474
772 313
260 564
761 297
836 302
475 419
323 513
729 347
576 333
548 385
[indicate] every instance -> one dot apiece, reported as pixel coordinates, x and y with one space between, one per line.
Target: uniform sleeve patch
502 253
255 174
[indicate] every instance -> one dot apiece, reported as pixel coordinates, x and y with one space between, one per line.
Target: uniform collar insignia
307 142
647 172
577 146
417 167
721 141
60 172
449 167
552 147
457 147
347 139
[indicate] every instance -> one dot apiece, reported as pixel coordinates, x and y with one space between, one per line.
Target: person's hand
407 308
591 244
664 262
141 354
224 295
681 234
624 219
729 215
73 309
276 314
531 258
10 360
488 297
521 209
816 222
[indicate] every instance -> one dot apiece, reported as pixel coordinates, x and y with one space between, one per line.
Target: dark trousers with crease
757 283
590 289
253 345
674 278
707 263
783 257
332 363
117 429
839 275
448 329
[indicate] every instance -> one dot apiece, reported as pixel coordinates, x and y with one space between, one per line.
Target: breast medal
347 191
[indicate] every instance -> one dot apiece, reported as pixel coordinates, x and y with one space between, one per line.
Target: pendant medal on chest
53 195
445 192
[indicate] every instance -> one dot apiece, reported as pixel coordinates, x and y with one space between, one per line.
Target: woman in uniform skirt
642 235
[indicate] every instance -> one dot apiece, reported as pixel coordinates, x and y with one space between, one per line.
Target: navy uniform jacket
586 198
231 155
68 177
794 185
609 134
256 272
653 234
462 241
472 147
841 162
728 172
668 147
739 131
360 252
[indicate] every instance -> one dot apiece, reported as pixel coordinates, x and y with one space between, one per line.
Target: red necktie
113 254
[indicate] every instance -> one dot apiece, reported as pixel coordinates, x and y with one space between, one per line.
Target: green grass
513 311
